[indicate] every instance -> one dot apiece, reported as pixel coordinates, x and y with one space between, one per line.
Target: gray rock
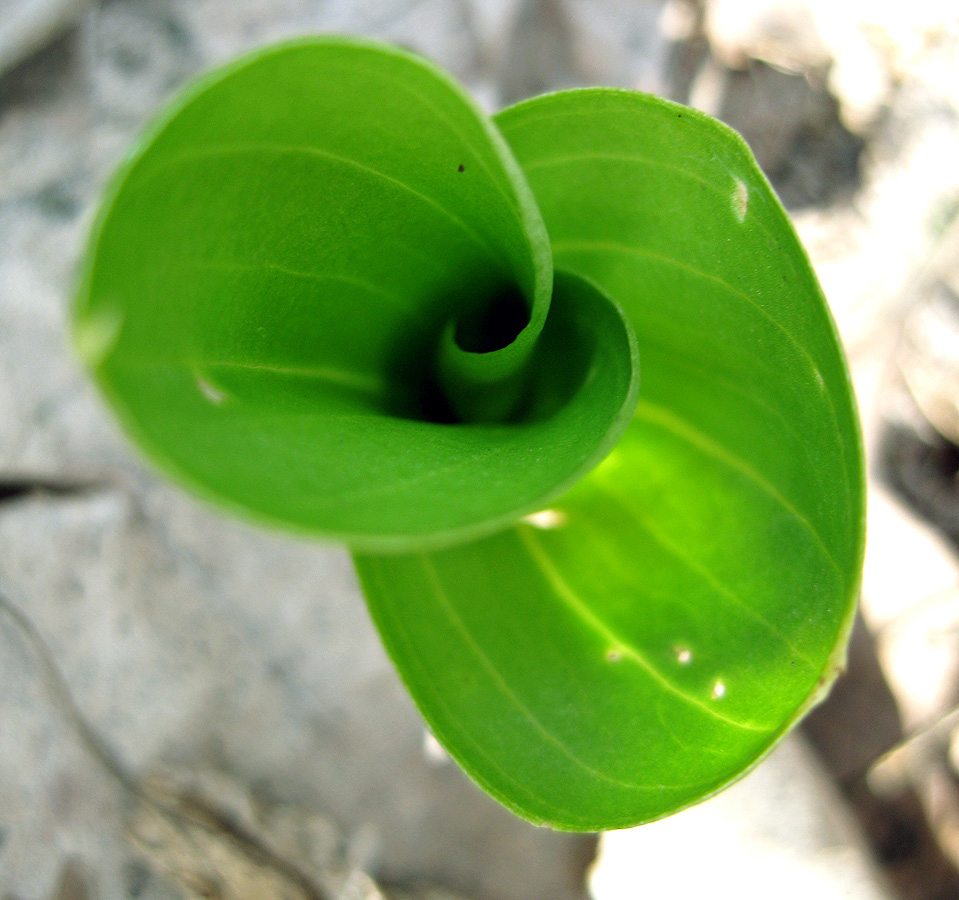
780 832
27 25
195 641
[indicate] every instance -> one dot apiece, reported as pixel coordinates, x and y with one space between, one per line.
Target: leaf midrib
200 154
656 414
434 578
582 611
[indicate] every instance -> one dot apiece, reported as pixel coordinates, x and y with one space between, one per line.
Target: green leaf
650 638
321 292
290 305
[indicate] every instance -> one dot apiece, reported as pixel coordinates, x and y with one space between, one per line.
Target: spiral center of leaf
494 325
319 318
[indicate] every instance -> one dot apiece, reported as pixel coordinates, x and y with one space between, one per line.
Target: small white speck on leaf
740 200
684 656
613 655
719 691
546 519
210 391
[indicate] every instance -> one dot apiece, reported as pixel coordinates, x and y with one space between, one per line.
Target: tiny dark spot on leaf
461 167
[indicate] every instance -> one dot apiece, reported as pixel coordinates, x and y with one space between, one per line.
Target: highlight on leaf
328 292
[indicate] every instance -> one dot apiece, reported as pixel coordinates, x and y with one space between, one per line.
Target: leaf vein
399 632
655 414
356 380
817 379
611 246
620 157
316 152
576 605
679 553
296 273
494 673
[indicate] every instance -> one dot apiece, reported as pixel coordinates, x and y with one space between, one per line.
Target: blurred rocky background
192 708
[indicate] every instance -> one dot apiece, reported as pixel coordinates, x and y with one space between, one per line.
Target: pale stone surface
889 265
26 25
780 832
890 589
193 640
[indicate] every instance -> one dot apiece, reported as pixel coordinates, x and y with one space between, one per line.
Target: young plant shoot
562 379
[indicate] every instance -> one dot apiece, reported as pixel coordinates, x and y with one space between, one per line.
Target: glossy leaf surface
270 285
322 292
653 635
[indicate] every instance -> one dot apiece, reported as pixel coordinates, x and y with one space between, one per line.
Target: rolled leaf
328 292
